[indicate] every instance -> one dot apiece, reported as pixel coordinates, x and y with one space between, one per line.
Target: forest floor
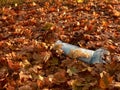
27 35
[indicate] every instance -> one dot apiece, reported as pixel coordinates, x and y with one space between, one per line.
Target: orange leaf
105 81
102 84
13 66
110 79
111 47
52 9
104 23
40 83
4 17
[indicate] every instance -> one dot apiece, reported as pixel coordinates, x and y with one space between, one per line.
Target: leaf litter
29 30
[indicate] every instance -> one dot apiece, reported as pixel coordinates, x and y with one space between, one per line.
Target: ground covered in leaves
27 35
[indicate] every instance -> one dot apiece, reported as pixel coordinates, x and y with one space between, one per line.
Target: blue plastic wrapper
85 55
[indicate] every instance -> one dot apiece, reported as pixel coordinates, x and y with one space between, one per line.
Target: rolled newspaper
85 55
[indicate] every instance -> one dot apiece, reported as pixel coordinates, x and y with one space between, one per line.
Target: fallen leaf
116 13
24 77
13 65
25 87
116 84
80 1
54 61
40 83
105 81
59 77
72 71
9 87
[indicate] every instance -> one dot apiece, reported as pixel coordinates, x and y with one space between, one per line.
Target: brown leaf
59 77
25 87
116 84
42 57
9 87
24 77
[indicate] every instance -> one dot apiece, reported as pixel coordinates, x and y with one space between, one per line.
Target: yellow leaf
34 4
16 4
80 1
